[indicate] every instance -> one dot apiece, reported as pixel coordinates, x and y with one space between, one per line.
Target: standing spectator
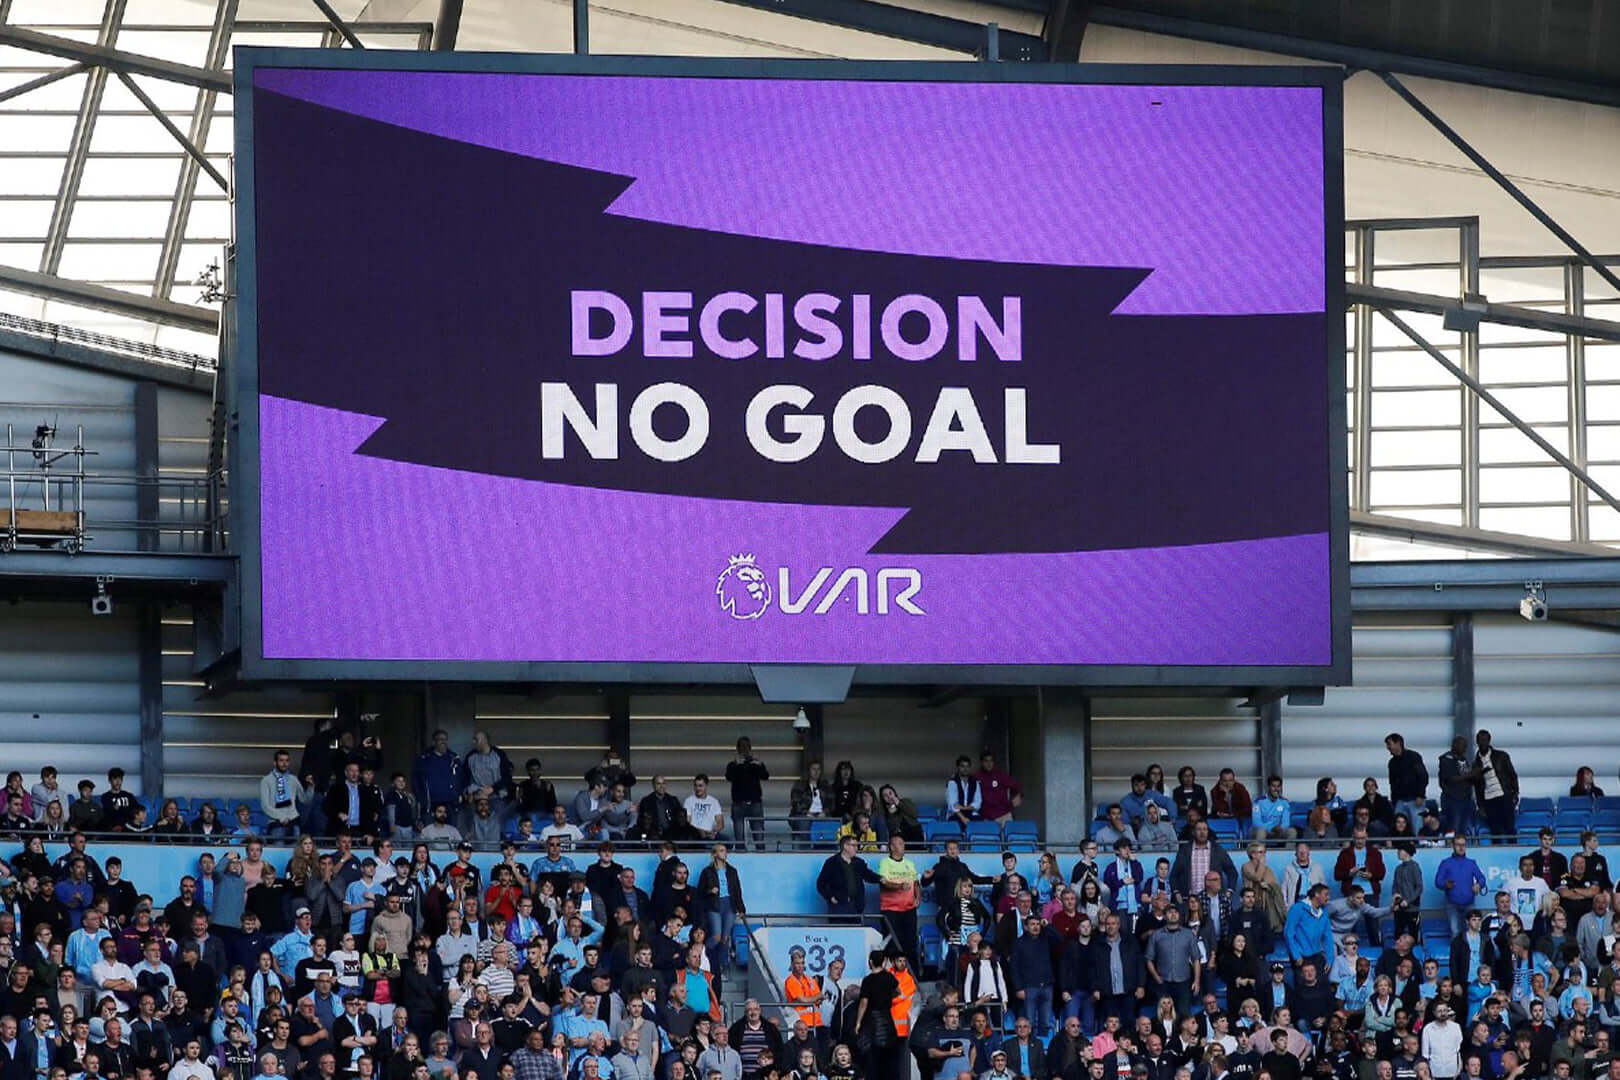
746 775
49 790
489 774
809 798
843 879
278 795
1118 976
1406 891
1460 878
1408 777
351 805
1471 949
1379 810
1308 932
438 775
1274 815
117 805
1456 789
1231 799
1442 1042
1189 793
720 890
1300 875
703 811
1268 891
901 893
999 793
1496 786
401 813
1032 973
846 790
1197 856
1173 960
612 769
656 813
1550 864
534 794
962 796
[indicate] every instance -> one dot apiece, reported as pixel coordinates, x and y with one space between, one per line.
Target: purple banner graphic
875 377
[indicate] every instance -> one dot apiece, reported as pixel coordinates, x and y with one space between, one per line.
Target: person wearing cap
998 1069
296 944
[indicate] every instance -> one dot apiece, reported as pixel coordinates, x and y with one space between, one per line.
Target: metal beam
67 191
191 148
102 298
44 80
149 638
907 24
1462 675
1507 414
202 118
1356 57
1501 598
448 26
582 27
1484 165
1430 573
1428 532
191 571
114 59
338 24
200 379
1553 322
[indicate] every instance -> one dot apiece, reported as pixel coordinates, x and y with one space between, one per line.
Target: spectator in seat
619 814
899 815
49 790
846 790
843 879
1230 799
1550 864
84 813
588 807
747 775
703 811
1155 833
1360 864
612 769
1189 793
534 794
563 829
278 795
1379 809
1273 815
440 832
655 814
1135 803
1197 855
1496 785
999 793
809 798
1408 777
1585 785
1114 828
962 795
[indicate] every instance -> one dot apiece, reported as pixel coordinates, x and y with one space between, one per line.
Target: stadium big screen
565 367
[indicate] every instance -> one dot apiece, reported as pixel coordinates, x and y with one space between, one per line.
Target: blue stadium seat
1227 830
937 832
983 835
1535 805
931 943
1574 811
1021 830
824 833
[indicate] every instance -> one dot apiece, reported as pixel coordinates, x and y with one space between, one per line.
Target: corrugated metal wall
1210 734
567 733
1550 695
903 742
70 691
1402 683
220 747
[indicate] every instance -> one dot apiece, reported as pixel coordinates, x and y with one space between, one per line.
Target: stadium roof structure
115 168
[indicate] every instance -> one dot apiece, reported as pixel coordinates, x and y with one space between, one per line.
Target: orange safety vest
901 1009
805 988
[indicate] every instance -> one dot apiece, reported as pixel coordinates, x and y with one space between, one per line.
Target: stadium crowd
391 954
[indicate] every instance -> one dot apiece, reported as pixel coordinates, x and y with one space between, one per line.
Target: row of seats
978 836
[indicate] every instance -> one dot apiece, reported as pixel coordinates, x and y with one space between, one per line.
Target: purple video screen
586 368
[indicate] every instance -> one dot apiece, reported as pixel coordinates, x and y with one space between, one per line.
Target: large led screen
903 367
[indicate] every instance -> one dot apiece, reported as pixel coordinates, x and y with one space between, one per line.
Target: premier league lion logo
743 589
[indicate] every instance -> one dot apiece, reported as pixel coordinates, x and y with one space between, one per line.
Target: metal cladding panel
1403 683
1549 694
681 736
1210 734
70 691
218 748
904 742
568 733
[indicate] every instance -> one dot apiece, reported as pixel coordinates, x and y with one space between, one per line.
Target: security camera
1533 608
801 722
101 603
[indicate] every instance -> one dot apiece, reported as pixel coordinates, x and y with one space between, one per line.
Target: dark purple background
1194 439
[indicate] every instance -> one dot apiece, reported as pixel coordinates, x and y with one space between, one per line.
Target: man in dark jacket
1408 778
950 869
353 805
1117 972
843 880
657 812
1496 786
1033 976
1181 882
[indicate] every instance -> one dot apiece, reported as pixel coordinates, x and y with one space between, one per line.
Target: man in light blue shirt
84 946
553 861
569 953
1135 804
295 944
1274 815
360 898
577 1025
